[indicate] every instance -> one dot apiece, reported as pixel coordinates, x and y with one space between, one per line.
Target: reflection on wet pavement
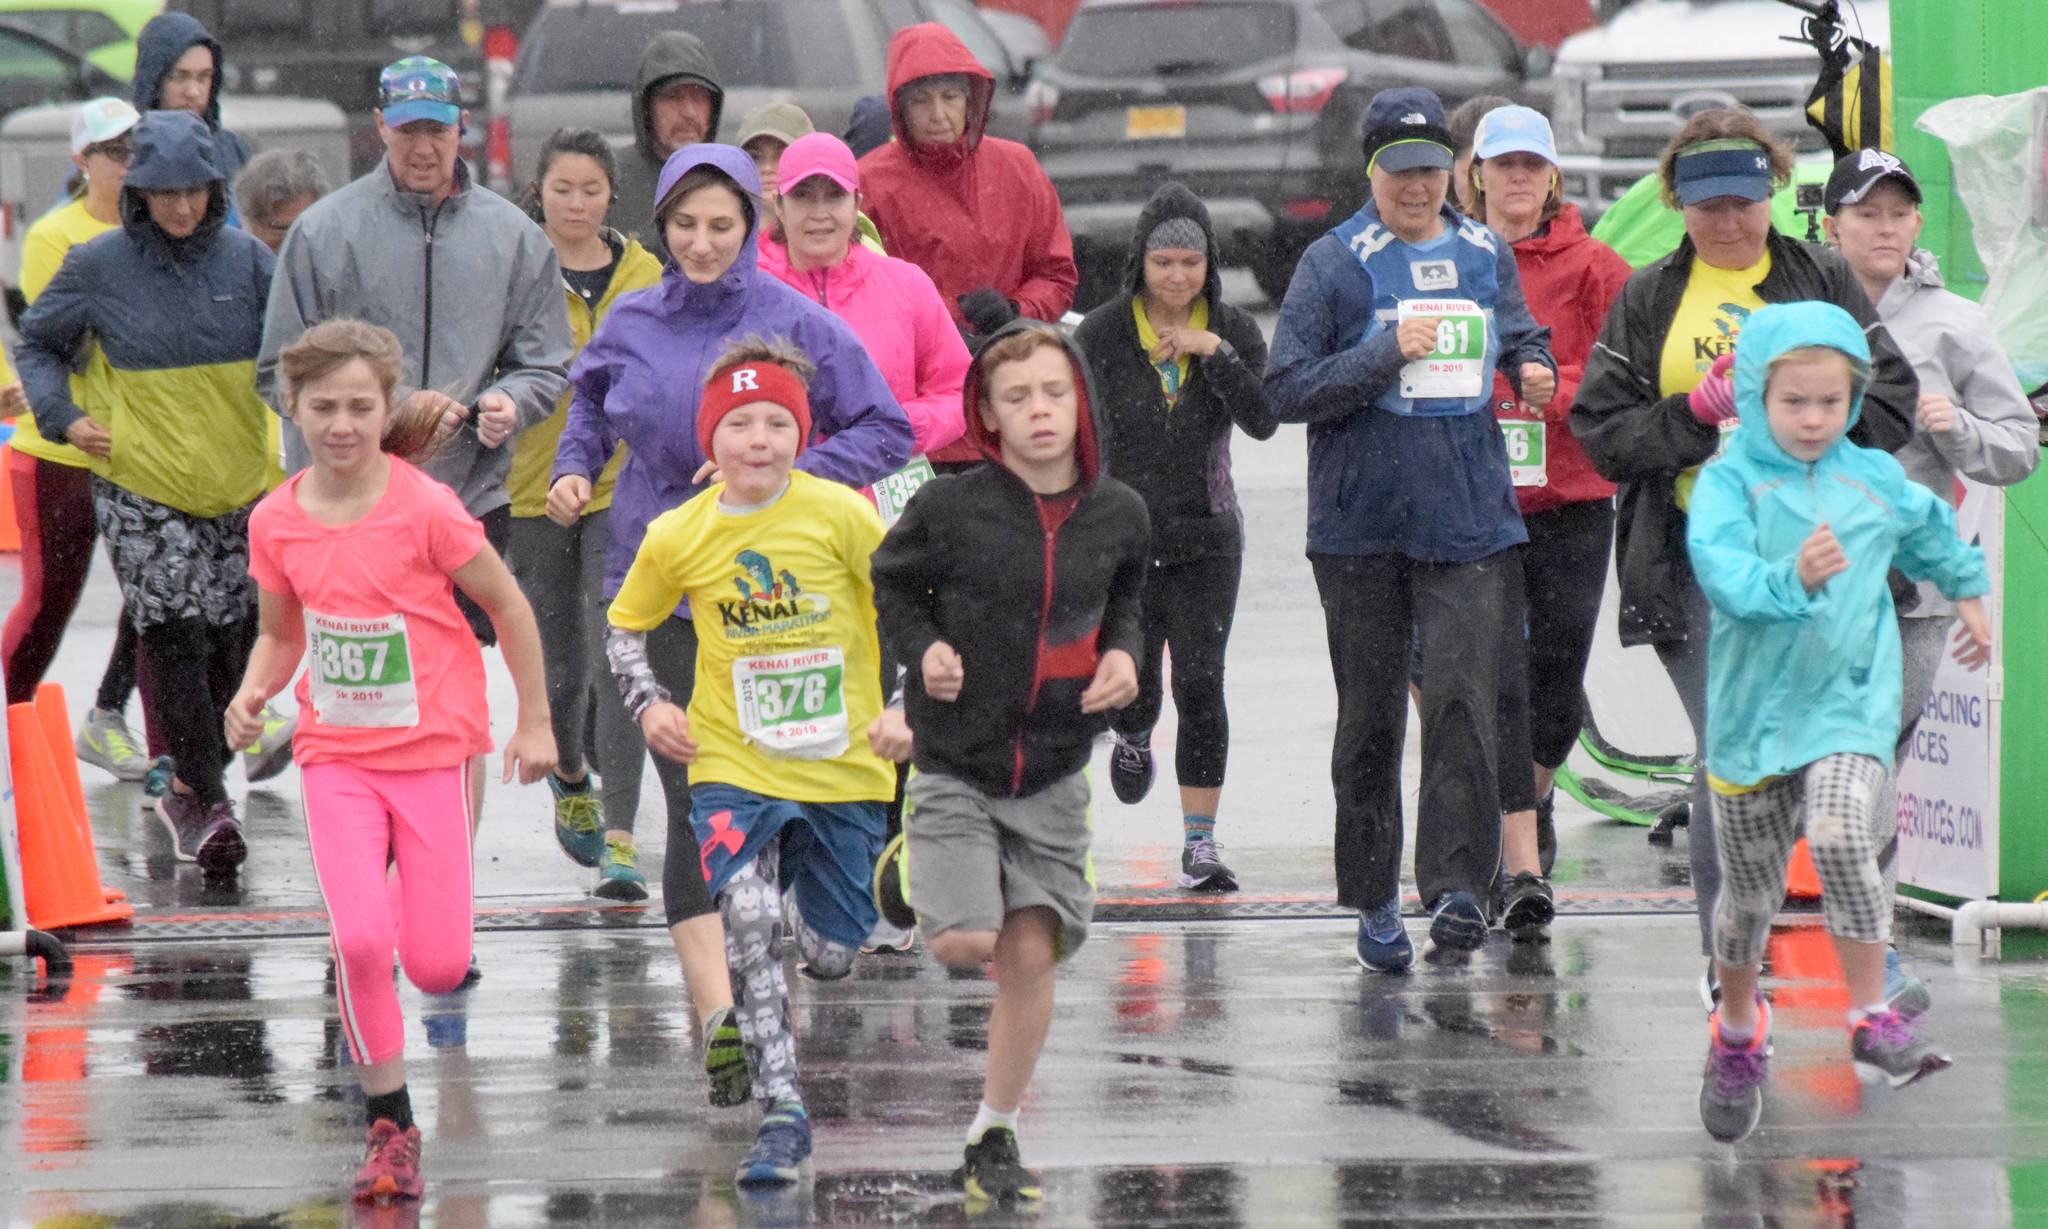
1211 1074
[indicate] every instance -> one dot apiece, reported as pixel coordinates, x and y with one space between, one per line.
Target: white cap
102 119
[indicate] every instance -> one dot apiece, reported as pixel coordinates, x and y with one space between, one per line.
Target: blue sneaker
780 1150
157 781
1383 945
1457 923
618 874
1903 992
579 819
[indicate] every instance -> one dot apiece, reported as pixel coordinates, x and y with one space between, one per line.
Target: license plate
1155 123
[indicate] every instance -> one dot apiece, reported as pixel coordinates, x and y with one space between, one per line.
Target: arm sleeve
1929 548
587 440
1522 340
533 362
1627 430
1050 277
866 434
293 307
626 653
904 571
52 331
1721 539
1237 380
1308 378
1996 437
934 411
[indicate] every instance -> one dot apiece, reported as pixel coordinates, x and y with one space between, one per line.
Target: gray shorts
972 860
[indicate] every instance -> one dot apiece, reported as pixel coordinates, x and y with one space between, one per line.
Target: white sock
984 1118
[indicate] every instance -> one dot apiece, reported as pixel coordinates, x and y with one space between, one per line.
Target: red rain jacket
1570 280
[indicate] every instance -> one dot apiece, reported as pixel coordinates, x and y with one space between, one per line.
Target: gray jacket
472 289
1955 352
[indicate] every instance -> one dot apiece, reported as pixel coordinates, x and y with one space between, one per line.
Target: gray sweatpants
1833 803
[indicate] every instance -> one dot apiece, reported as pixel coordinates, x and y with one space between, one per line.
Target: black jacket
1643 441
1178 457
1029 602
669 55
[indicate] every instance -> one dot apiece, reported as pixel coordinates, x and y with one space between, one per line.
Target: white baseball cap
1507 130
101 119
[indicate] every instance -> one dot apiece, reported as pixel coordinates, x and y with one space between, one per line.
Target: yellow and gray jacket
179 321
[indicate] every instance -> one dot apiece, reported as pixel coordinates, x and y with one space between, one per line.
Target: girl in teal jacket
1792 535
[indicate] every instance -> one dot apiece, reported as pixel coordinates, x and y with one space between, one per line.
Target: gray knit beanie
1181 233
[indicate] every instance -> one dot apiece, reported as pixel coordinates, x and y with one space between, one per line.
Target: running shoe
993 1171
1710 987
157 781
725 1060
1526 906
1457 923
1131 769
210 835
391 1168
104 742
886 939
780 1148
1886 1051
892 885
1546 833
1732 1088
579 820
1202 869
271 753
1383 945
618 872
471 975
1903 992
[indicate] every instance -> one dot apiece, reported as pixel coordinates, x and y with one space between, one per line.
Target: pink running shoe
391 1167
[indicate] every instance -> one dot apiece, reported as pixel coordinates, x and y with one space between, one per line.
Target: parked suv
579 58
1254 104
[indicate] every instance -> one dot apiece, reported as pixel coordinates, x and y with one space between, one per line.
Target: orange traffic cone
1802 881
55 715
60 880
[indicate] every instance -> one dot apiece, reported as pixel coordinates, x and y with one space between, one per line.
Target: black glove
987 310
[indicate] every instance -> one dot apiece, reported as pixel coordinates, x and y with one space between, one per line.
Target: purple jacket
638 380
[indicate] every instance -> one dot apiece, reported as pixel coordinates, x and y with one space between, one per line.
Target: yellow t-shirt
1172 376
42 254
786 644
1710 317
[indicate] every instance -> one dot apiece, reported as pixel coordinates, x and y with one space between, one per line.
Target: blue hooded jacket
1794 676
157 48
639 379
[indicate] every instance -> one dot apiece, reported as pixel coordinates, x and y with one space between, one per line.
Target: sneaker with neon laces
271 753
1886 1051
1131 769
1903 992
391 1167
1732 1087
725 1060
1457 923
1202 869
992 1171
618 872
579 819
780 1148
892 885
104 742
1383 945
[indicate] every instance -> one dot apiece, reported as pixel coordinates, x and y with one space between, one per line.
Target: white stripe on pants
1833 802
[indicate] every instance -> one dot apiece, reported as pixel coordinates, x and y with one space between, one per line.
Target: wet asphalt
1214 1061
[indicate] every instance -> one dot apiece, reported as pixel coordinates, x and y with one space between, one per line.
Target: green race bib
1457 367
1525 439
892 494
793 705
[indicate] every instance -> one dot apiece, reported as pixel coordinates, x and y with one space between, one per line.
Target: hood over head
931 50
1776 329
173 149
735 164
157 48
1088 432
673 53
1173 200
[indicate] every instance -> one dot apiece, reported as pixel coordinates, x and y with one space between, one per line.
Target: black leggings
195 669
1553 607
672 654
1190 607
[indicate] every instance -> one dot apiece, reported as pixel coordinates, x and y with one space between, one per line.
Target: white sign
1948 776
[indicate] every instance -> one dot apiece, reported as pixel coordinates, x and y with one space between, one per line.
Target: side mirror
1538 61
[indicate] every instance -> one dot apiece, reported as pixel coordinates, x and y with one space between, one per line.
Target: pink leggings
360 822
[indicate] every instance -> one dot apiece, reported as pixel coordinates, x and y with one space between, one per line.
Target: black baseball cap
1857 173
1405 129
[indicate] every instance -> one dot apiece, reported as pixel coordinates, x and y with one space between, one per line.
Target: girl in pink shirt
358 558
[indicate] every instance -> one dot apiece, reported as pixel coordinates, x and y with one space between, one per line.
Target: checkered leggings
1833 802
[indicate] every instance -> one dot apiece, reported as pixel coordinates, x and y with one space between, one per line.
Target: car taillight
1042 100
1307 209
501 49
498 150
1303 92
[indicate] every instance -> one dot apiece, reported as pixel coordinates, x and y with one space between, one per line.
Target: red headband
745 384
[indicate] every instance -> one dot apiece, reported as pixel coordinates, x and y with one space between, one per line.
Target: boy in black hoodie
1011 593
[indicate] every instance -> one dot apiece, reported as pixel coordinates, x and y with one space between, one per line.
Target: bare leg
1545 779
1024 963
1863 969
1518 842
700 945
1738 993
380 1078
476 794
1195 801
